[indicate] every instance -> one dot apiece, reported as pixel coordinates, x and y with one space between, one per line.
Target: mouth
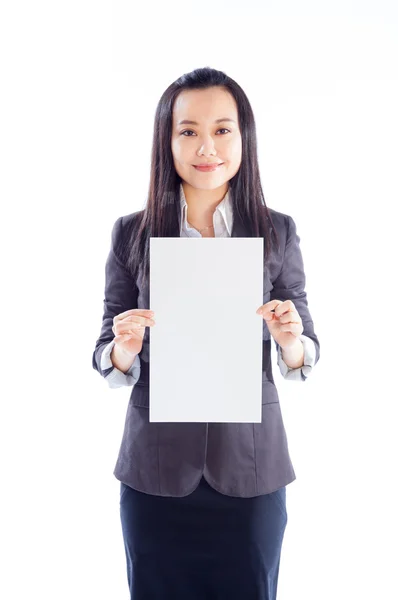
208 167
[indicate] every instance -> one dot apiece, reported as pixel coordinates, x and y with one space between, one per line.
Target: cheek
179 152
234 146
174 147
235 152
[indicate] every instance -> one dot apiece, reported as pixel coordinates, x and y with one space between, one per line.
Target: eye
190 130
223 129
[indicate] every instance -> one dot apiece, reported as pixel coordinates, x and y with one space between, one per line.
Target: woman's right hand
129 329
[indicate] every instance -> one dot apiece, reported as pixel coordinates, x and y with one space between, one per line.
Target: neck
201 204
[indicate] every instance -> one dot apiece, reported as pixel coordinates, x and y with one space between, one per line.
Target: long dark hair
161 216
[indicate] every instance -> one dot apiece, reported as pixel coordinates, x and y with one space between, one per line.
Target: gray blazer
237 459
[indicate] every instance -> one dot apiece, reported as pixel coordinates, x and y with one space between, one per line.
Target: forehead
203 105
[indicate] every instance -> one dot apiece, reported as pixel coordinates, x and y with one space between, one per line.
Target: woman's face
206 141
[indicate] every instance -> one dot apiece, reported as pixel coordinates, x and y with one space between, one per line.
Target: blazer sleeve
290 285
121 294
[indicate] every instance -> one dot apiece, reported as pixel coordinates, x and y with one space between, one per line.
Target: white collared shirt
223 218
222 222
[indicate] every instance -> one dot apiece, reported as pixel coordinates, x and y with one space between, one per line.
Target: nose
207 147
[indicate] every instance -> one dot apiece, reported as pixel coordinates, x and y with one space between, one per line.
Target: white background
80 83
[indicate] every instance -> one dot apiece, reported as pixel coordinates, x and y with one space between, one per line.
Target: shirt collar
224 208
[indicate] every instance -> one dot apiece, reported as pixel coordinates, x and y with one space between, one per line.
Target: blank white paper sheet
206 344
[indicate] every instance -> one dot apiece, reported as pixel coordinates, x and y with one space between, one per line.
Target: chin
207 182
210 185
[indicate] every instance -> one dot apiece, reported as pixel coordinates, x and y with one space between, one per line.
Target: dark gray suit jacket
237 459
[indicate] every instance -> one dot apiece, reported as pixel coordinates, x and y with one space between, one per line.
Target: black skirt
204 546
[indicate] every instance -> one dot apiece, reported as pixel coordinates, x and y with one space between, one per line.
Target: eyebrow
188 122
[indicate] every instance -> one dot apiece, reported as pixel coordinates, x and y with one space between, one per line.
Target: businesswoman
203 505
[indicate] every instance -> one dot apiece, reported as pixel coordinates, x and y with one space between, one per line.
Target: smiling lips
208 167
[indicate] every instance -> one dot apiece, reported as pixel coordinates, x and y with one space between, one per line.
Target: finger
121 328
295 328
268 308
290 316
134 322
137 320
133 311
283 307
122 338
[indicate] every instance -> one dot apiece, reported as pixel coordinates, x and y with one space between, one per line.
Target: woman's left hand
284 324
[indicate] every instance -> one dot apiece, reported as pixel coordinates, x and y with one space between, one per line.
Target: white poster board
206 345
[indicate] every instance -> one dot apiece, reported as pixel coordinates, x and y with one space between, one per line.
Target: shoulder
279 219
128 222
125 224
123 231
131 218
283 223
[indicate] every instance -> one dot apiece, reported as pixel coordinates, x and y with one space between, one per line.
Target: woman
203 505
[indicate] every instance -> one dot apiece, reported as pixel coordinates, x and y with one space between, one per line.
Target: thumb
270 317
